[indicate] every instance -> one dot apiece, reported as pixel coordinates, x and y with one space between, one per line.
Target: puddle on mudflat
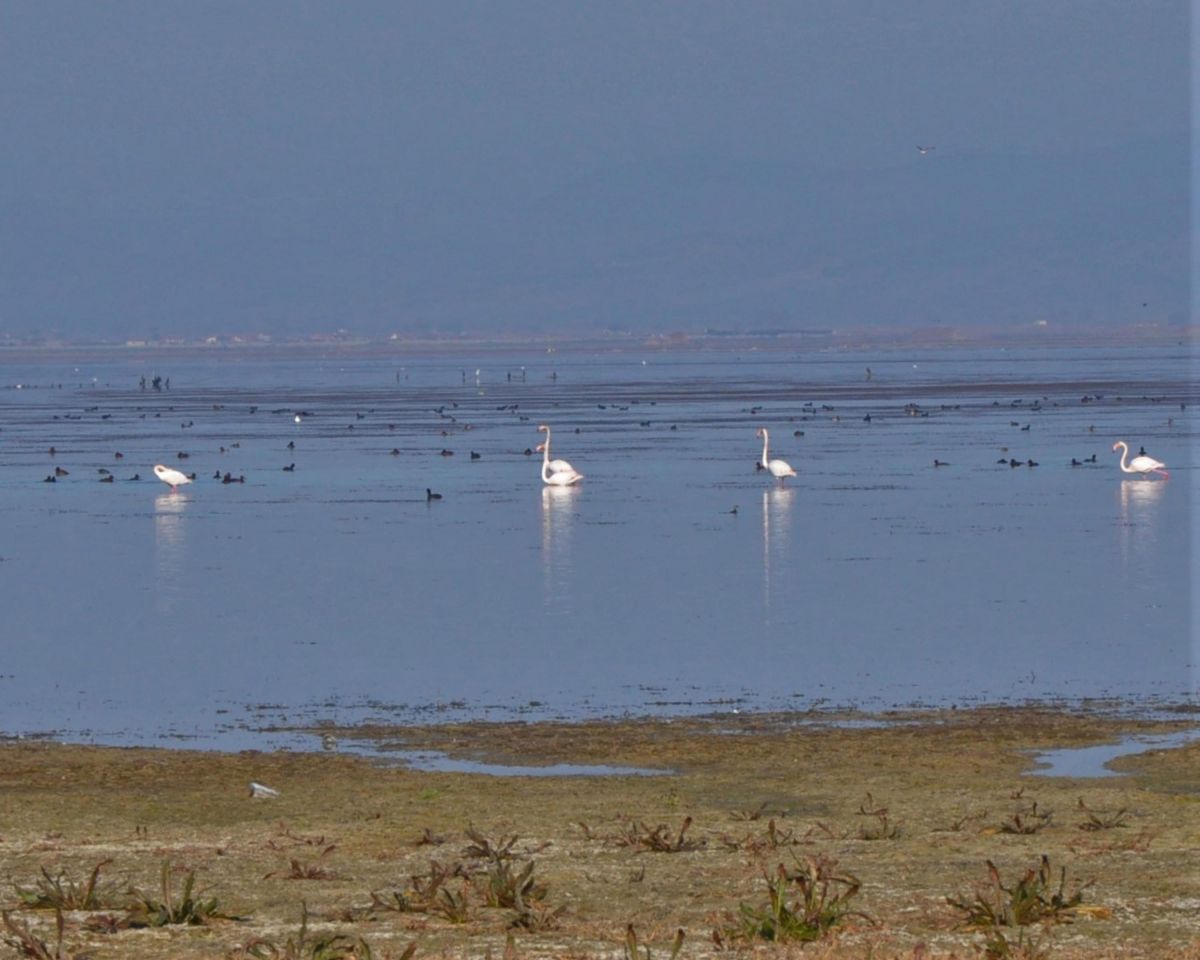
1093 761
437 762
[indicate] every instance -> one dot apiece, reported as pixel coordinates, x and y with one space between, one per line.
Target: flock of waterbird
560 473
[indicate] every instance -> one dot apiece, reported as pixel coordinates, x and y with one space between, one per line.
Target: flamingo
554 476
173 477
556 466
1140 464
779 468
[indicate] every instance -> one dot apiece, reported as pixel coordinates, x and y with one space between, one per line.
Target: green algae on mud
760 790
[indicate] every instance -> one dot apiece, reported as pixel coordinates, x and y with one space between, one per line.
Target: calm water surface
336 592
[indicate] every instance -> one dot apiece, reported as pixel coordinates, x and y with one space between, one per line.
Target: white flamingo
173 477
780 469
556 466
551 472
1140 464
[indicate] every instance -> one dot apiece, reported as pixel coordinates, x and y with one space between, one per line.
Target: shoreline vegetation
920 837
810 338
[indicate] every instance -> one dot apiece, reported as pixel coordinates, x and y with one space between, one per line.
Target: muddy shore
910 810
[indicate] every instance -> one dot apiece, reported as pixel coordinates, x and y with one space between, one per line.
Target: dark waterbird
430 495
107 479
290 468
60 472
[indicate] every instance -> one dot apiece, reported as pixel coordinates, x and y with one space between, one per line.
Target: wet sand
760 790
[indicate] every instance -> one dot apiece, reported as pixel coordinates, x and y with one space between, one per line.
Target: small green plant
505 887
537 916
957 824
635 951
302 870
29 944
1027 820
452 906
422 892
997 946
1032 899
59 892
147 911
658 840
754 814
882 828
483 848
802 905
106 923
329 946
431 839
775 838
1101 820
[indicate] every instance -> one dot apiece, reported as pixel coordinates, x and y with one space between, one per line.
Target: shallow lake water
224 614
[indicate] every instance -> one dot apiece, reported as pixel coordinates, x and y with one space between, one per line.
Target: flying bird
924 151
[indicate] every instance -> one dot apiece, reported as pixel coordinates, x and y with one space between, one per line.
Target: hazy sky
192 168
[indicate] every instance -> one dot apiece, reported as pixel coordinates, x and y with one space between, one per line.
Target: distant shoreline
815 340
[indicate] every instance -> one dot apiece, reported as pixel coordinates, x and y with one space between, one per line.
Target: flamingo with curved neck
1140 464
557 478
557 473
556 466
780 469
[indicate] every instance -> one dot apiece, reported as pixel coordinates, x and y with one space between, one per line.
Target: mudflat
911 835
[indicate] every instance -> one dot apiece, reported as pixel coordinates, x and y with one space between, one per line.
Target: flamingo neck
765 461
1125 453
546 453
